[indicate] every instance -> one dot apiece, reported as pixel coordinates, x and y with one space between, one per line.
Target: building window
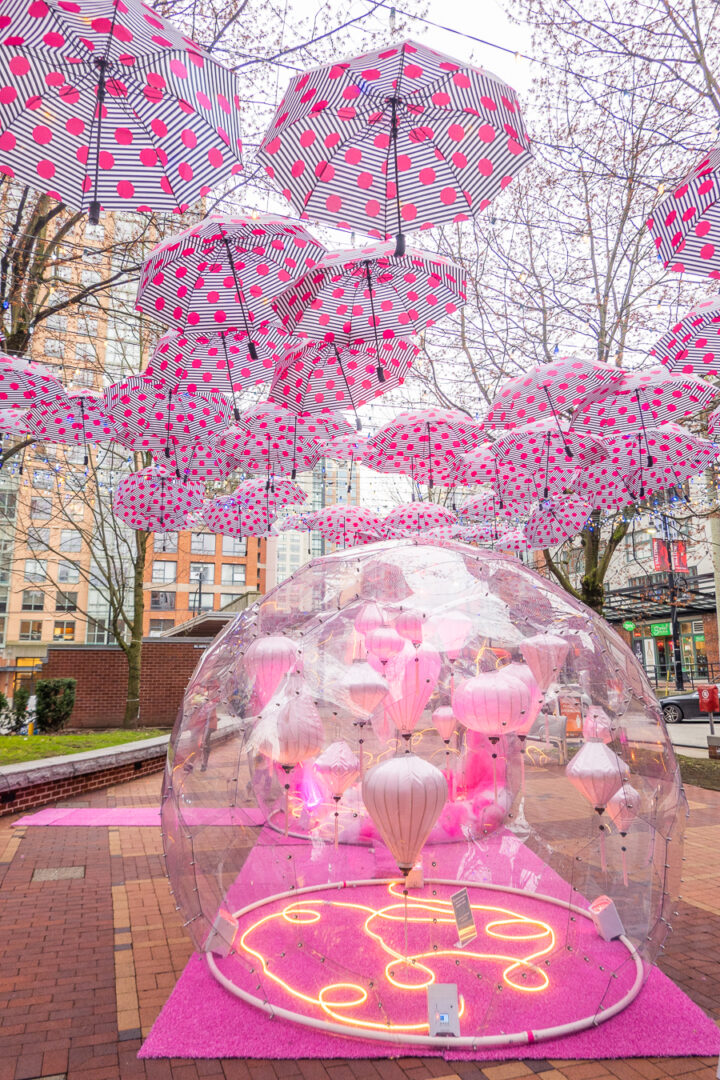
234 545
64 631
54 347
196 602
164 572
40 506
202 571
202 544
96 632
86 326
5 561
57 322
233 573
157 626
8 503
33 600
165 542
43 479
162 601
66 601
31 631
75 455
35 570
4 593
228 597
75 510
70 540
68 573
38 538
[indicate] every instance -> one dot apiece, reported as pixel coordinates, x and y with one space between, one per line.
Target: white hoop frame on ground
399 1038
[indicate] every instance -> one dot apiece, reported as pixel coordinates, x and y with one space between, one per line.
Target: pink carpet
202 1020
137 816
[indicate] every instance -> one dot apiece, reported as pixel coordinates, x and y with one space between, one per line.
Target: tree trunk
591 586
134 649
17 343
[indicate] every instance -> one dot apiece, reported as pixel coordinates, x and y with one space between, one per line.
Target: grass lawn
17 748
702 772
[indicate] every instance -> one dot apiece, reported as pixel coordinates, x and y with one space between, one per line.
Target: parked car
677 707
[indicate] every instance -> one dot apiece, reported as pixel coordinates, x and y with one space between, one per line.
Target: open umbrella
81 419
152 499
401 138
512 540
321 376
269 454
109 105
433 435
348 526
24 383
545 447
201 461
255 493
151 416
228 515
547 391
507 481
692 346
222 273
685 225
553 522
417 517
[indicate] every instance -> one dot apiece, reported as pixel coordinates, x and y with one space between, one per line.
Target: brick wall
22 799
101 674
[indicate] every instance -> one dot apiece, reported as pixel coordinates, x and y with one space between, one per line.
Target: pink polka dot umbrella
218 361
508 481
692 346
431 436
109 105
552 521
268 454
411 518
24 383
547 391
545 448
676 455
153 416
82 419
512 540
228 515
321 376
257 494
223 273
152 499
685 225
399 139
348 526
201 461
644 400
346 447
488 507
369 294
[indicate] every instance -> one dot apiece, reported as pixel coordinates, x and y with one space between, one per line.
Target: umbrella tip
358 425
94 213
399 246
380 374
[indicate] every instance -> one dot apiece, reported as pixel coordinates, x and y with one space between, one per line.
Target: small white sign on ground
464 918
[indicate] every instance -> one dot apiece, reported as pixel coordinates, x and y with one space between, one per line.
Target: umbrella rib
347 386
236 411
251 345
378 370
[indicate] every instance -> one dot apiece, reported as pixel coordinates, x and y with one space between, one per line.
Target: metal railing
663 677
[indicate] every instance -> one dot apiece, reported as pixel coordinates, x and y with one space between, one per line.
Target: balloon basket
354 958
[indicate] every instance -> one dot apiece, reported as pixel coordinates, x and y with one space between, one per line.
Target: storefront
652 644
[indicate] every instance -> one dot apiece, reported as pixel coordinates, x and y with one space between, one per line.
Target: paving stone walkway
91 946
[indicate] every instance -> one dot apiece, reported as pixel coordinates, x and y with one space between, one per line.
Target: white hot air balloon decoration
545 655
444 723
597 773
366 689
338 768
409 625
269 659
405 796
623 808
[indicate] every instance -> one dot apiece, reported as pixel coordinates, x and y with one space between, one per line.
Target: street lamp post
673 597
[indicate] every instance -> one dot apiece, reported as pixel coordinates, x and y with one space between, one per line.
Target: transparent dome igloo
394 723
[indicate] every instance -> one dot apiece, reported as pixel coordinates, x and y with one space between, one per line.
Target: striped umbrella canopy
685 225
218 361
302 522
488 507
547 391
642 400
12 422
345 447
512 540
508 481
104 103
398 139
258 494
545 448
369 294
153 500
411 518
427 439
228 515
82 419
552 521
435 471
324 376
222 273
348 526
24 383
153 416
201 461
268 454
692 346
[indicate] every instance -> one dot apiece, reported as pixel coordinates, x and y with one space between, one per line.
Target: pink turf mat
202 1020
137 816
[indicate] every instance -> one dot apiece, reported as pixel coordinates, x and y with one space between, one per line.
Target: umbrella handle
378 370
101 63
400 238
251 344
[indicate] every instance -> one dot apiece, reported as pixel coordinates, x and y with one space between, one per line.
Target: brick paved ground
88 961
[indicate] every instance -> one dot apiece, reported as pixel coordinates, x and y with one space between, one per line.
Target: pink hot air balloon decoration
523 672
405 796
494 704
412 676
383 643
269 659
338 768
409 625
288 732
597 725
366 689
545 655
444 723
368 618
597 773
623 808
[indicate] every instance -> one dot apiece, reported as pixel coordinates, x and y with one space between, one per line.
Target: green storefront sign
660 629
629 625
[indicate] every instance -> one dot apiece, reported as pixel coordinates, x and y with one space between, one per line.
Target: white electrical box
443 1009
607 921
